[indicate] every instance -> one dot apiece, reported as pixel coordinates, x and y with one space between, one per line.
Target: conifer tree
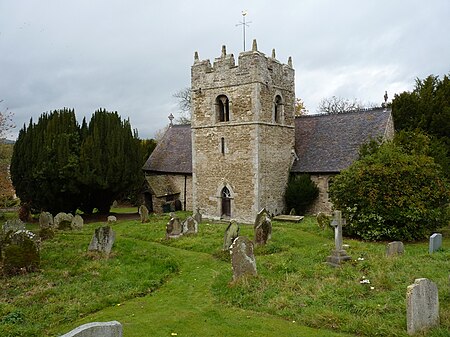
110 160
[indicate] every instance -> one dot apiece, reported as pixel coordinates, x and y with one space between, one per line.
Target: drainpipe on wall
185 184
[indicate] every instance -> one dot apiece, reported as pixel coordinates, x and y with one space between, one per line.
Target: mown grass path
184 306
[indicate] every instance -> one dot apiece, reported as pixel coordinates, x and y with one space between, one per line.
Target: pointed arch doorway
226 203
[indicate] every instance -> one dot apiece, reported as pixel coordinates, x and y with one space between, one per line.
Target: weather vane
243 24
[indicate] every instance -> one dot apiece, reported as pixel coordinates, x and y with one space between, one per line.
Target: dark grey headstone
435 242
102 240
422 306
231 233
263 231
242 258
198 216
174 228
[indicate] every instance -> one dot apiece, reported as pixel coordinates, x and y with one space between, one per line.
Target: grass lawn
158 287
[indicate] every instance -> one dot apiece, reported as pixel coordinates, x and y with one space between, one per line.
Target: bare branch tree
184 105
336 105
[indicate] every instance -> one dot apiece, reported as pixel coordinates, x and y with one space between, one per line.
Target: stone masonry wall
322 203
250 153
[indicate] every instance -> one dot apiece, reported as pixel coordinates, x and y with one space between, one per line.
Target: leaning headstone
102 240
263 228
198 216
395 248
338 255
242 259
231 233
435 242
190 226
77 222
97 329
13 225
21 254
111 219
63 220
45 220
143 212
174 228
422 306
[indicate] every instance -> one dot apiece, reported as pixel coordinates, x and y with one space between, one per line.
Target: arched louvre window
278 105
223 108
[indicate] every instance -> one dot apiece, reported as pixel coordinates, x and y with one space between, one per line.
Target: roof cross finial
385 99
171 119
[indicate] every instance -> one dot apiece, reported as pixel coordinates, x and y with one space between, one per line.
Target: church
244 141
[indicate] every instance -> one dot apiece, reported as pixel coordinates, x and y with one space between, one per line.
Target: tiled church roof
173 154
330 143
323 143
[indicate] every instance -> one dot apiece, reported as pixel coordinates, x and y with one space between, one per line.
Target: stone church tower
242 134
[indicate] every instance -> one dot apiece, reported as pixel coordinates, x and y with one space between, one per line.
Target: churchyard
159 286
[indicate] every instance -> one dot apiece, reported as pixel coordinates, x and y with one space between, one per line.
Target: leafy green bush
301 191
392 195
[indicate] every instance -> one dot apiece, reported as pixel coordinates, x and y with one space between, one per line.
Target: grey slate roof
173 154
330 143
323 143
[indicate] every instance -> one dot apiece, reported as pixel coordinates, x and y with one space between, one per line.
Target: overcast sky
131 56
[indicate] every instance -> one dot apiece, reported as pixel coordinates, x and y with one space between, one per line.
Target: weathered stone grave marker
63 220
111 219
45 220
262 227
21 253
242 258
174 228
143 213
77 222
102 240
231 233
435 242
422 306
190 226
198 216
338 255
13 225
97 329
395 248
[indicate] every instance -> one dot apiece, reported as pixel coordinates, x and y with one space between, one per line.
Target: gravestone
198 216
97 329
262 227
292 212
338 255
77 222
102 240
143 212
111 219
435 242
21 253
63 220
13 225
395 248
242 259
190 226
45 220
174 228
231 233
422 306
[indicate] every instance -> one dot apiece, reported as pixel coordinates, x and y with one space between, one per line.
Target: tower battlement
253 67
